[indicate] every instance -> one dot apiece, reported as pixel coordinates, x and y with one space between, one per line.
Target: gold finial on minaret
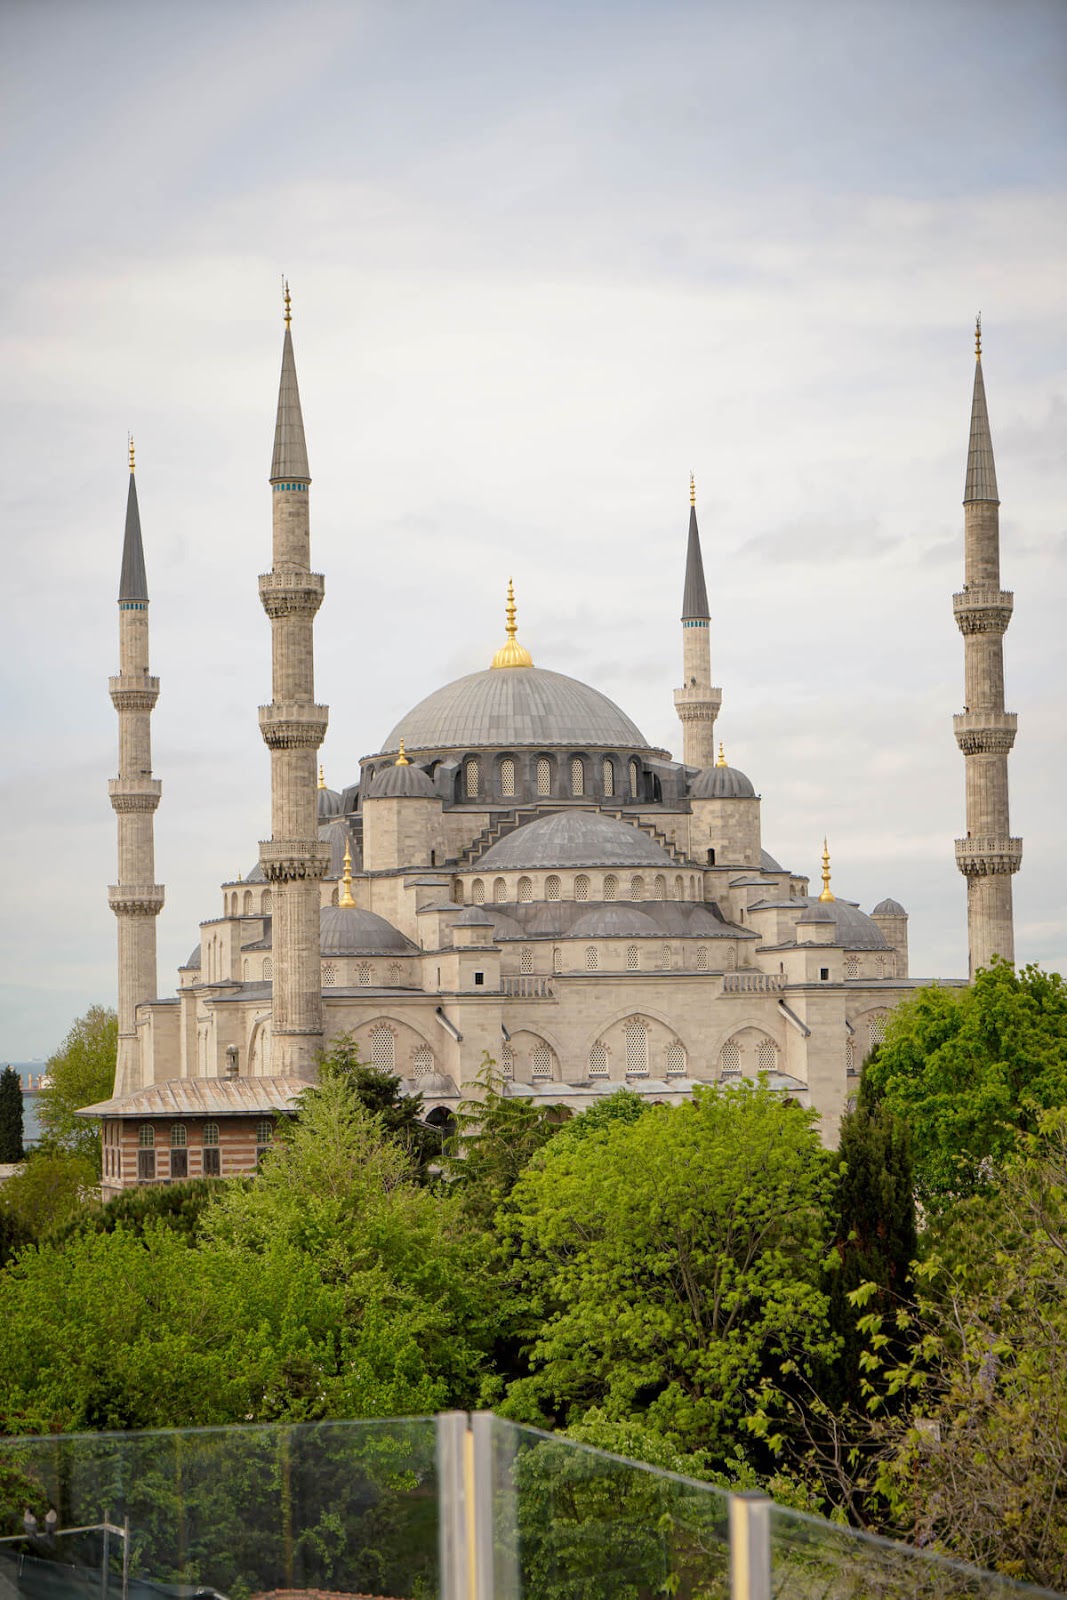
512 653
692 490
239 878
322 776
402 759
129 441
978 337
722 756
827 892
288 302
346 899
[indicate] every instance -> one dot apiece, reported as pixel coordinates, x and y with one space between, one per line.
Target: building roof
855 930
981 481
721 783
337 836
329 802
290 459
614 920
574 839
889 908
402 781
506 710
346 930
695 594
203 1097
768 863
133 583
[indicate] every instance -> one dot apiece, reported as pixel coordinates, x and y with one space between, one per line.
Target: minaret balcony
291 594
985 732
979 609
293 860
986 856
134 794
132 691
135 899
697 703
293 725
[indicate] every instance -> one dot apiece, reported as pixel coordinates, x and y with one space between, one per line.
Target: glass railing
452 1508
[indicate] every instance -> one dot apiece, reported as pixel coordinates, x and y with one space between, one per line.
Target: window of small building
824 974
711 858
212 1155
470 777
676 1059
577 777
178 1137
767 1056
146 1136
507 778
552 887
730 1059
598 1060
636 1036
146 1153
608 777
878 1028
541 1062
479 980
581 887
264 1131
422 1062
544 777
592 958
525 891
383 1049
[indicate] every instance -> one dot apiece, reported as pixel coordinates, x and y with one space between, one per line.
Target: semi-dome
889 908
614 921
855 930
721 783
402 781
194 960
573 839
329 803
767 863
348 931
512 707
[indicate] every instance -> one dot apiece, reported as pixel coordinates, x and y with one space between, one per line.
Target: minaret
293 728
136 899
985 732
696 702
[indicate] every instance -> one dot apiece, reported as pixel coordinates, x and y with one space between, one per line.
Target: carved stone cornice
289 594
132 692
293 860
137 795
697 704
988 857
135 899
985 732
293 725
982 610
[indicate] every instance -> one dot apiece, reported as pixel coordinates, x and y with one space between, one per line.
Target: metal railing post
750 1546
452 1532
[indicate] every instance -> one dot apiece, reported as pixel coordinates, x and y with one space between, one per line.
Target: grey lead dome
574 839
515 706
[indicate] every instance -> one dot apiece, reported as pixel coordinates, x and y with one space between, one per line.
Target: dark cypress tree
10 1116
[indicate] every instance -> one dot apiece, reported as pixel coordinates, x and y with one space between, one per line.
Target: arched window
500 891
422 1062
248 903
525 891
592 958
633 958
264 1131
334 897
665 958
394 975
850 1056
364 975
329 975
598 1060
146 1152
637 887
246 969
544 776
692 887
268 969
478 892
702 959
470 777
635 773
577 777
457 888
383 1048
552 887
211 1134
852 966
212 1155
541 1062
676 1059
507 778
526 959
581 887
730 1059
877 1028
636 1036
608 777
178 1136
266 903
661 887
557 960
507 1061
611 887
767 1056
679 887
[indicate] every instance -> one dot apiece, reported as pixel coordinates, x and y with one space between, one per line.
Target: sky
546 259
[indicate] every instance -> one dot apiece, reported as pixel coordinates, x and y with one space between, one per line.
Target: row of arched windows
546 783
247 904
635 887
592 958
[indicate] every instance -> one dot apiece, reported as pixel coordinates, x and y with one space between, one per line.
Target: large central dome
515 706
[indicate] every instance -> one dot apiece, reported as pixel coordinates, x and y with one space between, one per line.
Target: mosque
516 873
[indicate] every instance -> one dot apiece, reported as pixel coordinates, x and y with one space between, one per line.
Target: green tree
400 1115
665 1266
496 1135
47 1192
179 1206
10 1115
81 1072
970 1070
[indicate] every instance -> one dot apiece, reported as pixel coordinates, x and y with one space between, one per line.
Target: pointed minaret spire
827 892
696 702
985 732
290 460
136 899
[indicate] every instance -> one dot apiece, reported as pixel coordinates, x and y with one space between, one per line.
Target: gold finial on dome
827 892
512 653
346 899
322 776
288 302
978 337
692 490
402 760
722 756
129 441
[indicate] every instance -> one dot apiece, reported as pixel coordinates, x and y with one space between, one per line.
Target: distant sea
31 1128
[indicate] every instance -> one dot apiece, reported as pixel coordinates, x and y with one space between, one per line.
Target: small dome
768 863
721 783
614 921
574 839
257 875
814 912
194 960
329 802
405 782
889 908
337 836
473 917
855 930
348 931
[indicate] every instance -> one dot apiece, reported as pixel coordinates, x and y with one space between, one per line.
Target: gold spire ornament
288 302
722 762
978 337
827 892
129 440
322 776
402 759
346 899
512 653
692 490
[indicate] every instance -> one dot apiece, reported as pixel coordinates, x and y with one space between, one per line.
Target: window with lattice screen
767 1055
611 887
592 958
661 887
850 1055
636 1036
478 892
635 773
679 887
577 776
422 1062
507 778
363 975
541 1062
852 966
266 903
329 975
507 1061
526 959
525 891
878 1028
268 969
676 1059
470 777
394 974
598 1060
730 1057
702 959
557 960
665 958
637 887
608 775
581 887
383 1049
552 887
500 891
544 776
633 958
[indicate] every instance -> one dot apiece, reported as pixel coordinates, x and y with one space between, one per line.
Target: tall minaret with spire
696 702
136 899
985 732
293 728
